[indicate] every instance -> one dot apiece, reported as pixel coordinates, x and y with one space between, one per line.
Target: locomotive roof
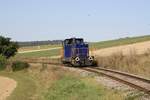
73 38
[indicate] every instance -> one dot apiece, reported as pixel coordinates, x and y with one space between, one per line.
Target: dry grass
43 82
132 63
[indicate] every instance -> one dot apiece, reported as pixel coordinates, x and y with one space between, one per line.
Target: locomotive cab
76 52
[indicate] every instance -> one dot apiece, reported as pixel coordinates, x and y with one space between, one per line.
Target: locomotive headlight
90 58
77 59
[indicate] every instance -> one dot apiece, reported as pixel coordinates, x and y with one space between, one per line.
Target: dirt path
138 48
7 85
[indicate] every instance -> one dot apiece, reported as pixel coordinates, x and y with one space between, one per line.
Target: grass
118 42
53 83
38 47
47 53
73 88
132 63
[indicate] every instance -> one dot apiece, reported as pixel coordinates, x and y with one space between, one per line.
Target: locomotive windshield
68 41
73 41
79 41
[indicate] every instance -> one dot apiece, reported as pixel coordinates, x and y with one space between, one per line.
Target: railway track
134 81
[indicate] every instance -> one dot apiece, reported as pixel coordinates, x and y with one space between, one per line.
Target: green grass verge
73 88
118 42
47 53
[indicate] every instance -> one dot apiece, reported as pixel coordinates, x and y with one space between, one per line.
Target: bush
19 65
7 47
3 62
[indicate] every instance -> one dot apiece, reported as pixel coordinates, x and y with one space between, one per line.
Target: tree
7 47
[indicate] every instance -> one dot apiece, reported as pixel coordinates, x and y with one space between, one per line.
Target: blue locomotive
76 53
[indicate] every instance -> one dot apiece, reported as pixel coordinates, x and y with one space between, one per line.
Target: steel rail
101 72
125 74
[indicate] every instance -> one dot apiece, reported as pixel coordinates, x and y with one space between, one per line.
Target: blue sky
94 20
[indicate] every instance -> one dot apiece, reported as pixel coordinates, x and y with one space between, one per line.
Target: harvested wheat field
7 85
138 48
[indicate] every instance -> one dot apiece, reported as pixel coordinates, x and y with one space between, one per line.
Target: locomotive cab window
79 41
73 41
68 41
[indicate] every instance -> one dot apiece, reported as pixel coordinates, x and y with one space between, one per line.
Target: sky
93 20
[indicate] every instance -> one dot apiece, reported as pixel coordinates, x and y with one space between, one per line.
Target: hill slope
138 48
121 41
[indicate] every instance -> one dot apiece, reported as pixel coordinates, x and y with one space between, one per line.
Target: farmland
47 53
109 52
44 82
37 47
118 42
95 46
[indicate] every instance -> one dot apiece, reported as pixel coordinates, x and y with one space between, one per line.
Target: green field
47 53
38 47
54 83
